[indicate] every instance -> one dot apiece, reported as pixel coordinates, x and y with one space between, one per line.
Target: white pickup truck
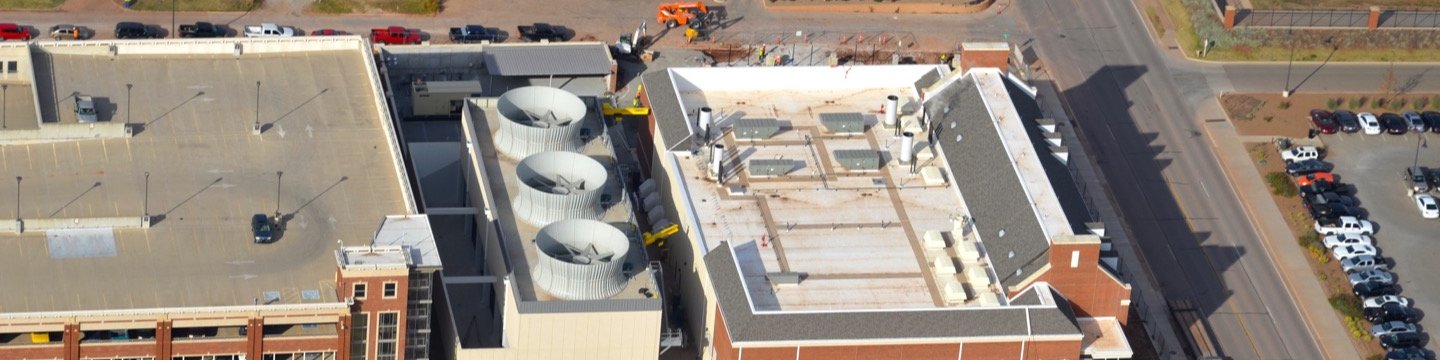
1345 225
268 30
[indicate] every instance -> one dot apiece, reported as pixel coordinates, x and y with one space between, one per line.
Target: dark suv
1392 312
134 30
1348 122
1394 124
263 229
1401 340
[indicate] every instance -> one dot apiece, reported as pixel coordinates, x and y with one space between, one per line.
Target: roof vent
538 118
581 259
559 185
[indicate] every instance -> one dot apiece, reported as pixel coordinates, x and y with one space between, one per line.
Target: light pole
4 106
173 30
1419 144
1286 93
147 195
257 106
127 108
17 198
278 175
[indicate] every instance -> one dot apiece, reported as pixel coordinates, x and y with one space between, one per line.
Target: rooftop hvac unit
756 129
538 118
843 123
581 259
558 185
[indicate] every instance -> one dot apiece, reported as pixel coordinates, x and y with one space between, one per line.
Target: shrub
1354 103
1435 102
1346 304
1310 238
1363 100
1280 184
1397 104
1283 105
1322 257
1420 103
1269 118
1381 102
1332 103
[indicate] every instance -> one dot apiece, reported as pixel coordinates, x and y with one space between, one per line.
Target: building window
359 292
389 331
359 335
390 289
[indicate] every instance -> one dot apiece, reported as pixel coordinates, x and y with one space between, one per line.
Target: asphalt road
1141 118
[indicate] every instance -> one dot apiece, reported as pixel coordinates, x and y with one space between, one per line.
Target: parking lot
1372 165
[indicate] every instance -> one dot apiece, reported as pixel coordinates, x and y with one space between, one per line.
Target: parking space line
55 154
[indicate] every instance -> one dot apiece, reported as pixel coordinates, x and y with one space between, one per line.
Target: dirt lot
1342 4
1331 278
1261 114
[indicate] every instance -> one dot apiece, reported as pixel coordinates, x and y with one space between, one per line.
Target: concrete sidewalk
1280 243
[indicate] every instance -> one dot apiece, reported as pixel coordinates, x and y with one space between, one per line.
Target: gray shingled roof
978 162
665 106
744 325
542 60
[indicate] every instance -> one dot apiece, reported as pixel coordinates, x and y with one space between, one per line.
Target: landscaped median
193 5
1195 21
30 4
413 7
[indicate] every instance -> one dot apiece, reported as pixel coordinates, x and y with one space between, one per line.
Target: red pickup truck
395 35
10 31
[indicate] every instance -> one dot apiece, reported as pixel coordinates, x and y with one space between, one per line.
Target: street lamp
173 30
257 106
147 195
17 198
278 175
1286 92
4 106
127 106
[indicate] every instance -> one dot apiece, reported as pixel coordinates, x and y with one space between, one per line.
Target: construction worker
762 54
690 34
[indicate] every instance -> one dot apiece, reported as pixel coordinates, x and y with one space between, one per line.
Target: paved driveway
1373 164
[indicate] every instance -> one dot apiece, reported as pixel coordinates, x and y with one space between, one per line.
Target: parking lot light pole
147 195
173 30
17 198
257 106
127 106
1286 93
278 176
4 106
1419 144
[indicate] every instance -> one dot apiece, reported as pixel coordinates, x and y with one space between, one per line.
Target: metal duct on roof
581 259
538 118
557 185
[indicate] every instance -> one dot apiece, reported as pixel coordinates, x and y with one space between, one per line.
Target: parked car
1372 275
68 32
1328 198
540 31
395 35
1432 120
1300 153
201 30
1345 225
1306 167
1407 353
1311 178
1394 124
1360 263
1391 327
262 228
1333 211
1370 124
1367 289
1401 340
85 109
473 34
1349 251
134 30
1416 123
328 32
1348 122
1347 239
1382 301
1324 121
11 31
1426 204
1391 312
268 30
1324 187
1416 178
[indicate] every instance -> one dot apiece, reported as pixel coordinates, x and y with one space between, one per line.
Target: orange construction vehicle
681 13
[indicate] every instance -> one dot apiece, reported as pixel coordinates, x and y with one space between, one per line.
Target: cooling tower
580 259
558 185
538 118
